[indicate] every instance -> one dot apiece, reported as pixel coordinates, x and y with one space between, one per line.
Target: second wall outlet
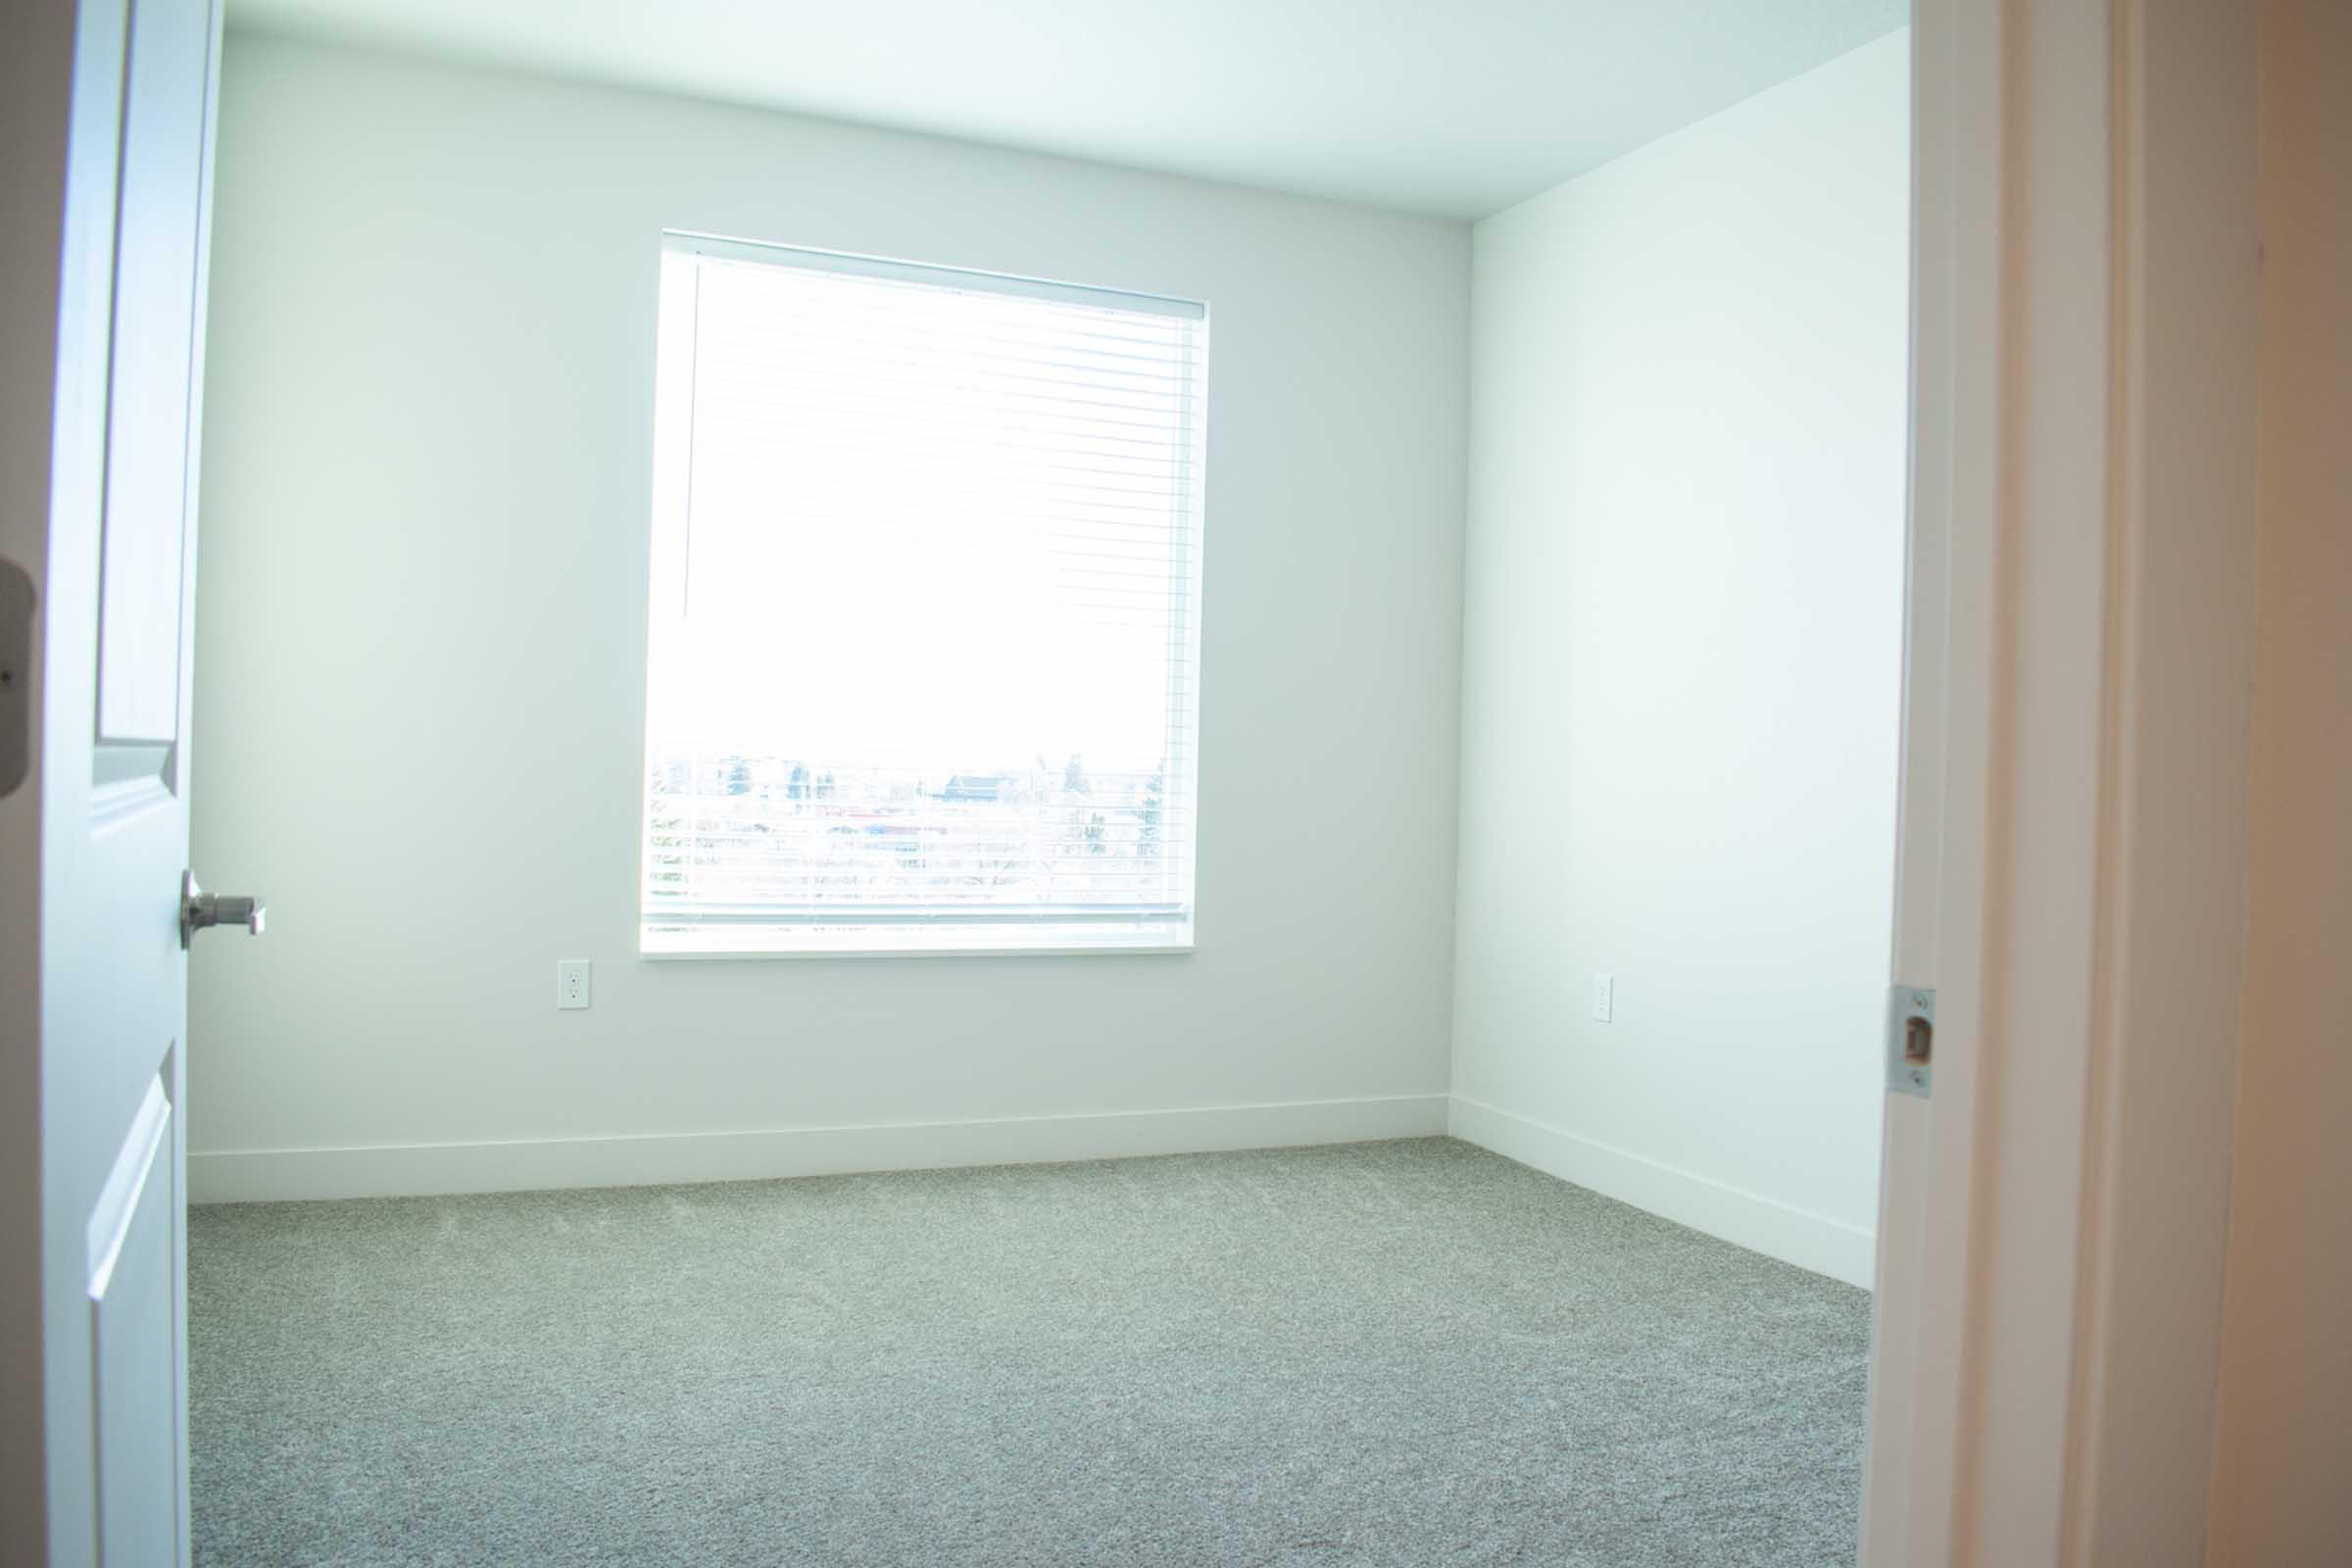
1605 995
571 982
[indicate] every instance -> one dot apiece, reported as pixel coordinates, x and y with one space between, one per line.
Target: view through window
923 664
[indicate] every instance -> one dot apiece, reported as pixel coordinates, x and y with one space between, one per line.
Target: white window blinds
924 656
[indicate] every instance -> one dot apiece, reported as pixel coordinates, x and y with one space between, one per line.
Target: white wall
2286 1365
420 643
1680 667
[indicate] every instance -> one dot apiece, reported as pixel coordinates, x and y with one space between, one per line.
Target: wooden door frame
2084 465
37 110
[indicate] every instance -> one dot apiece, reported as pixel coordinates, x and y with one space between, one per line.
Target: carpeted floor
1397 1353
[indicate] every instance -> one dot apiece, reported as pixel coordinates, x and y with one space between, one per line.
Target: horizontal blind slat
936 547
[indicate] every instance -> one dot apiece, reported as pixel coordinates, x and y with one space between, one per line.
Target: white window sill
871 943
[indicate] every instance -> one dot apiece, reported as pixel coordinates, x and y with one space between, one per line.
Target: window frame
1165 928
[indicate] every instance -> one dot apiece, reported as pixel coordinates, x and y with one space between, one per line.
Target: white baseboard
256 1175
1760 1224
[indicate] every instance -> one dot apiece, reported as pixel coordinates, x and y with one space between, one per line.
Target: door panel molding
126 1185
136 1393
157 308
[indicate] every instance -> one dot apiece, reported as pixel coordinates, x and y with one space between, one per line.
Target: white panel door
113 777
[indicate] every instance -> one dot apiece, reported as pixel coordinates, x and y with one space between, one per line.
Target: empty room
1049 785
1064 785
1003 826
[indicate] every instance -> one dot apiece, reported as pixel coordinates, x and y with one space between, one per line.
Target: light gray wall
422 607
1684 636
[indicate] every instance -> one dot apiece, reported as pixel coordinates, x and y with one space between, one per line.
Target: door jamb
2051 1396
38 46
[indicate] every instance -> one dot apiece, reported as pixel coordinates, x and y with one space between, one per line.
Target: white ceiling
1457 109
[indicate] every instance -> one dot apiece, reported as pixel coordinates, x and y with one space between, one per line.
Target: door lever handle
199 910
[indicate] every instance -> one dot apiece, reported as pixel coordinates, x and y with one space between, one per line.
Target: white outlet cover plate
1604 987
572 983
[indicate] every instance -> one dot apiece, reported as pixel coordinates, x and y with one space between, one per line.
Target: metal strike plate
1911 1040
16 675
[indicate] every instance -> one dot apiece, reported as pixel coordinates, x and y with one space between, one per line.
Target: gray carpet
1398 1353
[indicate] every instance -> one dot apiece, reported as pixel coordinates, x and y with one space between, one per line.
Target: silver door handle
199 908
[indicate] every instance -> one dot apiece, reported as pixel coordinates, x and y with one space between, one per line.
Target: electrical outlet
1605 995
571 982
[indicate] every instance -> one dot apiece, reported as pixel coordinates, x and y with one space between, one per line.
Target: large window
924 656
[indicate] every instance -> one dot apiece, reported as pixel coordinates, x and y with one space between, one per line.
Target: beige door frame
2074 799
